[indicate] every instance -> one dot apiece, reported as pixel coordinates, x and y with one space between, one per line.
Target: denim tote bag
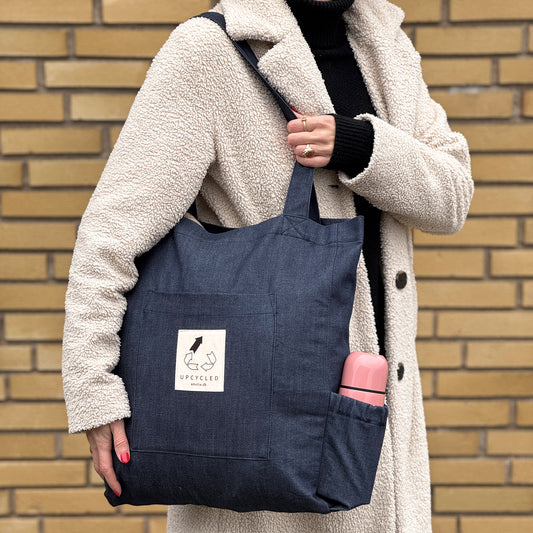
232 350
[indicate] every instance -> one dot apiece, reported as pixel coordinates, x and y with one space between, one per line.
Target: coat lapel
289 64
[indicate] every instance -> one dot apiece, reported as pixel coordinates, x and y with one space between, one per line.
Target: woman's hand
101 442
318 132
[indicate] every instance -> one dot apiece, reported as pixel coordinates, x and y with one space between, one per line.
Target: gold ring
308 152
304 122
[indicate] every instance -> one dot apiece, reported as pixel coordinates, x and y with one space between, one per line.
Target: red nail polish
125 457
118 494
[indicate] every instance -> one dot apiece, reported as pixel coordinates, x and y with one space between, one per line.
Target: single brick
54 501
502 168
33 42
22 266
426 378
40 204
26 296
528 231
506 200
37 235
449 263
489 324
510 442
114 132
32 415
27 445
18 75
75 446
446 442
490 383
16 357
49 356
24 107
10 174
483 499
100 107
438 354
157 11
104 42
496 524
476 471
490 10
516 70
33 326
35 386
62 265
511 263
4 503
119 524
65 172
88 73
52 140
94 479
41 473
522 471
475 103
19 525
469 40
527 107
466 294
415 11
159 525
497 137
456 71
476 232
143 509
524 413
425 324
51 11
500 354
527 294
476 413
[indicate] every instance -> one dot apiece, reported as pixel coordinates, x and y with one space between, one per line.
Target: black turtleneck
323 27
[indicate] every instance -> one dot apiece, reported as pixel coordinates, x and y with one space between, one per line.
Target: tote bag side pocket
351 450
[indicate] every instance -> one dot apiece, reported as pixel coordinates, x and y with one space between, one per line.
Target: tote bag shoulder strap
301 196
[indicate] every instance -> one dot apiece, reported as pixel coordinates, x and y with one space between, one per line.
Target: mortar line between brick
445 12
97 13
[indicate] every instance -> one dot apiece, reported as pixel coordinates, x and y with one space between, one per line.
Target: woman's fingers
318 132
101 447
311 123
106 471
120 441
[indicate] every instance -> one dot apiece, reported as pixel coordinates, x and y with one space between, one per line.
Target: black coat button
401 370
401 279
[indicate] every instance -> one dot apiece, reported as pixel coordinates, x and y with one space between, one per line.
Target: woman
202 121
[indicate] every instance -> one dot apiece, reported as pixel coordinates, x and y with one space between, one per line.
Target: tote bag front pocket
204 375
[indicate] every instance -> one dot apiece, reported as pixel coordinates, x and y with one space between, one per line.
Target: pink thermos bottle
365 377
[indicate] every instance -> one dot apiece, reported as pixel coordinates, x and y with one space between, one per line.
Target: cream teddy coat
204 123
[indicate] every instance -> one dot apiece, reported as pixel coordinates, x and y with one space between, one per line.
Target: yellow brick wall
68 74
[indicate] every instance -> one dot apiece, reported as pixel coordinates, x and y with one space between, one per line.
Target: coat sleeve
422 179
150 179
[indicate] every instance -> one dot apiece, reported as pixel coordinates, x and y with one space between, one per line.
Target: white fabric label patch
200 360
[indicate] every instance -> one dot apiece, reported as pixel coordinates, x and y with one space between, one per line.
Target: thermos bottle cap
365 377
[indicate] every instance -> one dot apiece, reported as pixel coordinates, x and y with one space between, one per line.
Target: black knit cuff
354 143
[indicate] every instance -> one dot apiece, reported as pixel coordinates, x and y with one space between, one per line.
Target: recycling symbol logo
196 358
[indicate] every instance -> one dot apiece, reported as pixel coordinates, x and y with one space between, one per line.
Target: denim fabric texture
277 436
